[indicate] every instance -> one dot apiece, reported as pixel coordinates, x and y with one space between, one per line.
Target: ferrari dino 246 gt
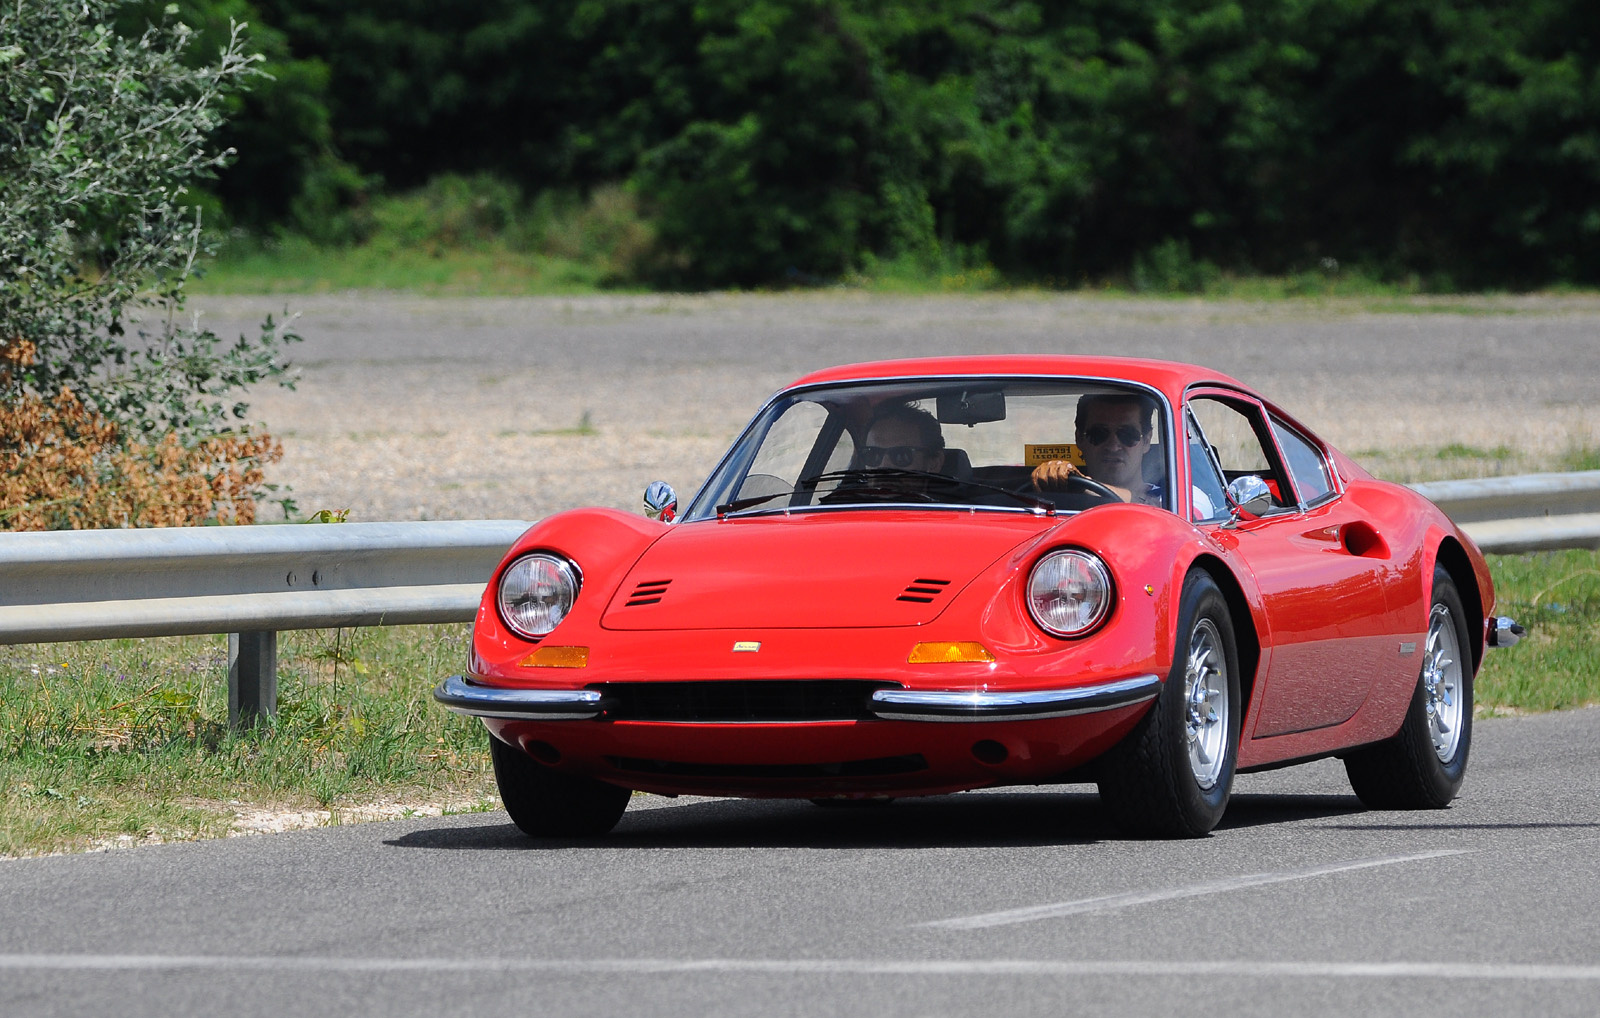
919 577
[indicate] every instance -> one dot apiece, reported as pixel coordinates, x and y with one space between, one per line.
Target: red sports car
917 577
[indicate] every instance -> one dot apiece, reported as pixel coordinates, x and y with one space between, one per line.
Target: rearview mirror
970 408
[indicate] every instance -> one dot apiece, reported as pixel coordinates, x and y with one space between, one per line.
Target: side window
1207 501
1236 432
1312 479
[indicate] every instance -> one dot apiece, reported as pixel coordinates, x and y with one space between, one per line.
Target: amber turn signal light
557 657
949 653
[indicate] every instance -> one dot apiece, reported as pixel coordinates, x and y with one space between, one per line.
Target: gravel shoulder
456 408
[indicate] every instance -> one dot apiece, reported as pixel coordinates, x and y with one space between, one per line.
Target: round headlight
536 592
1069 592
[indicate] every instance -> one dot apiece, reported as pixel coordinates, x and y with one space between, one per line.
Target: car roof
1172 377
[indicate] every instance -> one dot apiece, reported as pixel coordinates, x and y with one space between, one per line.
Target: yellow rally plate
1034 455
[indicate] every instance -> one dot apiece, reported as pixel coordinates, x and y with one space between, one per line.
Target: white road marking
810 967
1110 902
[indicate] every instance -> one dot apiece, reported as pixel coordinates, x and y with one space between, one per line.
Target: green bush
101 136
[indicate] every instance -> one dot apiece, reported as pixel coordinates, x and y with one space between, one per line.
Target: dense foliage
773 140
116 411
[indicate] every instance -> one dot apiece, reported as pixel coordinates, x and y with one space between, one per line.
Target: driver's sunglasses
899 455
1127 434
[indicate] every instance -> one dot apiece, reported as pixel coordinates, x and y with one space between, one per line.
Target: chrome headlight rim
1095 569
563 568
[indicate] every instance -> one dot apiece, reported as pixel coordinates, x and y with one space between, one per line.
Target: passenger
902 437
1113 433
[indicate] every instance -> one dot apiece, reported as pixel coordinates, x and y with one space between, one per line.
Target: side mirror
660 501
1249 497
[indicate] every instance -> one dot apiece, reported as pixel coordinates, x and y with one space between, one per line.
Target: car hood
813 570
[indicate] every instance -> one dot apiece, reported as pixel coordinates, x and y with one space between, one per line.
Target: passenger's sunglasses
1127 434
899 455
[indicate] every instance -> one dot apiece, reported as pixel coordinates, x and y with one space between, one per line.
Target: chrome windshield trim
464 696
997 705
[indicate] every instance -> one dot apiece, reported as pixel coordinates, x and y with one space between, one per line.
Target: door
1320 569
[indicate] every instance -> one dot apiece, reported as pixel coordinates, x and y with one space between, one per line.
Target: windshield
1016 445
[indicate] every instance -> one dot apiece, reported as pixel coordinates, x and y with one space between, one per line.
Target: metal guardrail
1531 512
249 582
252 582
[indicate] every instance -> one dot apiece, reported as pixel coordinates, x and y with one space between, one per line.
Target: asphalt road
1018 902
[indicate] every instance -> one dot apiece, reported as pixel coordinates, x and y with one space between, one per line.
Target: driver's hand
1052 475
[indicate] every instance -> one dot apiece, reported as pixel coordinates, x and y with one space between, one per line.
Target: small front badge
746 646
1407 649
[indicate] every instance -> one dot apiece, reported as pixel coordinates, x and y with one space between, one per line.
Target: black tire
548 804
1152 782
1420 767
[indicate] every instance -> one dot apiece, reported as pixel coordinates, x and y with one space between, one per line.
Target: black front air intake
739 701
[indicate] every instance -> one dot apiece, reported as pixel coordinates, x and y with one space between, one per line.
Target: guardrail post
252 678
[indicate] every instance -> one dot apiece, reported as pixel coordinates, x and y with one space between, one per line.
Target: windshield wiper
806 484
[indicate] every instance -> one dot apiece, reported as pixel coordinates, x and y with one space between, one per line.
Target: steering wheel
1089 485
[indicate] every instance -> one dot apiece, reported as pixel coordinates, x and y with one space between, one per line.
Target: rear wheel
1171 776
1421 766
548 804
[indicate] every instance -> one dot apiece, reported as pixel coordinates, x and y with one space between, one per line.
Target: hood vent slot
648 592
923 591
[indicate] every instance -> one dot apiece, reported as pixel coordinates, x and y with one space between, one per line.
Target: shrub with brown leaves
62 467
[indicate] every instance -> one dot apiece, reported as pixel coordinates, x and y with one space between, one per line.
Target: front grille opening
923 591
878 767
740 701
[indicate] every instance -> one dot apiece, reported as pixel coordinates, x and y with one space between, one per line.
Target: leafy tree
100 137
790 140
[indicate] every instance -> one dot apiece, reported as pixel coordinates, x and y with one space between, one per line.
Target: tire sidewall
1445 777
1202 599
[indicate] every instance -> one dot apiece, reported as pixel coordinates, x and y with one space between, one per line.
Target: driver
1113 432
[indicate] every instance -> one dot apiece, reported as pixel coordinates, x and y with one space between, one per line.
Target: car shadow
986 820
1257 809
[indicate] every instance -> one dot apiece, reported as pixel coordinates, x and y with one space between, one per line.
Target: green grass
297 266
127 740
421 264
1407 465
1557 596
1580 459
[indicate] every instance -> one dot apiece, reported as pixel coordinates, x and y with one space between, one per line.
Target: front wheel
1171 776
548 804
1422 765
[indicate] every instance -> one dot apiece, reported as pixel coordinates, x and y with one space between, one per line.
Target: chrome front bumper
464 696
997 705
